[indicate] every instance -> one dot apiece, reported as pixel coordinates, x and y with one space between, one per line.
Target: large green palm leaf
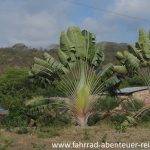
74 45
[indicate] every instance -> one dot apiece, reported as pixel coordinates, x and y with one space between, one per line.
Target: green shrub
17 116
145 117
132 105
16 84
135 81
131 82
46 120
107 103
15 88
94 119
52 118
22 130
118 118
120 128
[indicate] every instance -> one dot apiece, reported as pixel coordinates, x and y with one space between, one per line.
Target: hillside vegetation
69 94
10 57
22 56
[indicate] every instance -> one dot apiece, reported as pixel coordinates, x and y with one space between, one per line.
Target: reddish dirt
142 95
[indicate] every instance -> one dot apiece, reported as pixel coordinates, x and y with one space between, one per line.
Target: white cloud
39 22
120 17
139 8
39 28
99 27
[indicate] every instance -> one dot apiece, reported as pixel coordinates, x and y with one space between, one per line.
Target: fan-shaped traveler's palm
78 67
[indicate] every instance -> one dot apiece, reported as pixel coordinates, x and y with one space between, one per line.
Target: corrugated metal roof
131 90
1 109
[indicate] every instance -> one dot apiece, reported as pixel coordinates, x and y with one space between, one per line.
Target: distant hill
19 55
20 46
12 57
111 49
52 46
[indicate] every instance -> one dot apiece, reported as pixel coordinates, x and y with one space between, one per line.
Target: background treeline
15 63
16 86
20 55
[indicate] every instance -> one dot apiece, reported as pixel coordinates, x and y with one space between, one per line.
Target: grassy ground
41 139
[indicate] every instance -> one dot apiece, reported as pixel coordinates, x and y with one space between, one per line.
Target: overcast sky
38 23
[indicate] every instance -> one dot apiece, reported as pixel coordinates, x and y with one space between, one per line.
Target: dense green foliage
13 86
132 82
12 57
80 46
17 88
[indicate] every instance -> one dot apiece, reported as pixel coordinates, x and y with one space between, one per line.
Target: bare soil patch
142 95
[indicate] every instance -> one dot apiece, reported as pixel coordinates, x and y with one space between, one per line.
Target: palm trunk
82 121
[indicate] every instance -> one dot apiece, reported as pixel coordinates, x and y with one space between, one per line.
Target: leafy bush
94 119
12 86
107 103
118 118
46 111
131 82
47 119
145 117
15 88
132 105
22 130
16 84
120 128
17 116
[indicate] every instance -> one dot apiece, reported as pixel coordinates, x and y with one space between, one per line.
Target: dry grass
102 132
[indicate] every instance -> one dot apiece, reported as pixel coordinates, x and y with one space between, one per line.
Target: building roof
131 90
1 109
